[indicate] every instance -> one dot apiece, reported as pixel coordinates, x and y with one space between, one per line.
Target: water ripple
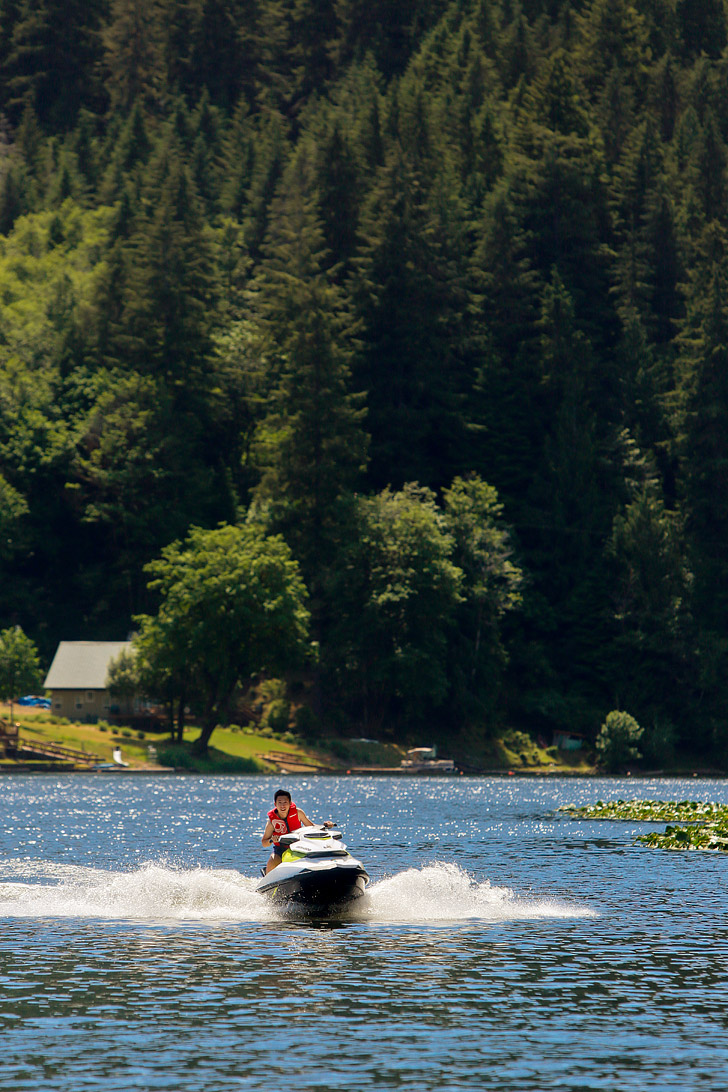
552 955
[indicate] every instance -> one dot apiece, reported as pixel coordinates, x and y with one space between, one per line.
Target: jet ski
317 873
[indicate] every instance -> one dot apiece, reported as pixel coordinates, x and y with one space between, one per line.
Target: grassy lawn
242 750
227 743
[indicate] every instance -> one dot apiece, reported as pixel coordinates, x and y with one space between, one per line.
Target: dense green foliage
19 665
388 278
233 604
616 743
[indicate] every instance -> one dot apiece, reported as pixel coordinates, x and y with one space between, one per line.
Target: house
567 740
77 678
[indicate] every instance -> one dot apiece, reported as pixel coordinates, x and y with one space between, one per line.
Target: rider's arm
306 822
267 834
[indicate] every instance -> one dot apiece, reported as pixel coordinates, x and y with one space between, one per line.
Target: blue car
38 703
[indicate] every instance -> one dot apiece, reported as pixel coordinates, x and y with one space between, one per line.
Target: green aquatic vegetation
707 827
710 836
651 811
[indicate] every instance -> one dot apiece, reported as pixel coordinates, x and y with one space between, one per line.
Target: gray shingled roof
82 665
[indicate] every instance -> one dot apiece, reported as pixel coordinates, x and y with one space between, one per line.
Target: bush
277 714
126 733
516 746
307 723
179 756
273 690
617 740
658 743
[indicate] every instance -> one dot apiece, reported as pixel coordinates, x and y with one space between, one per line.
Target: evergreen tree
614 32
414 295
701 27
130 152
704 368
52 62
635 181
171 296
312 445
223 57
710 170
134 54
339 186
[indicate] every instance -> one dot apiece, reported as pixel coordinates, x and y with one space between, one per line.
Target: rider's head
282 801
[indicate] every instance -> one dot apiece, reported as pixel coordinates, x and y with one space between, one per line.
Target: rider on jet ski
283 818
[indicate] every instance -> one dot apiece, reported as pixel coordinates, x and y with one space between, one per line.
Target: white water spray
161 893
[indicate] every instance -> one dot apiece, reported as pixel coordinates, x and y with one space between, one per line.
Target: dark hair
281 792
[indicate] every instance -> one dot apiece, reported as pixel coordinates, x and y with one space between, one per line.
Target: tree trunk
209 722
181 720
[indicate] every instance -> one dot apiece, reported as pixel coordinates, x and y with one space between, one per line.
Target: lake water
500 946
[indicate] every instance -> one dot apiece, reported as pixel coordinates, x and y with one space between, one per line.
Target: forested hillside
434 288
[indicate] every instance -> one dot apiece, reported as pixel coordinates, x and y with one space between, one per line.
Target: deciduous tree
232 604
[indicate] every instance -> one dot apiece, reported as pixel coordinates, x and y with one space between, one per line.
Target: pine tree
53 59
665 269
339 186
701 27
224 55
415 296
704 368
170 304
665 97
312 444
635 181
710 169
613 32
134 54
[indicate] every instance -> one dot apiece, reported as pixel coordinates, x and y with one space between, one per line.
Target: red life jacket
283 826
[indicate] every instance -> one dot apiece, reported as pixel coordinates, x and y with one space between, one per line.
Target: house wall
88 705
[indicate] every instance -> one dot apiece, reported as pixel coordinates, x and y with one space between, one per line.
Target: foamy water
159 891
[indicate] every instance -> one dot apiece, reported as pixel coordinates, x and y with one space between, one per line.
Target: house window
89 695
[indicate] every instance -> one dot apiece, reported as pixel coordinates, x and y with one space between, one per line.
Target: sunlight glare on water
500 944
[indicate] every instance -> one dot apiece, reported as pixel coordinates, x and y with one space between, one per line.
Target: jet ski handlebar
315 833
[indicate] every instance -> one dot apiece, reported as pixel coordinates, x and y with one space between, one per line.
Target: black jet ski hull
318 889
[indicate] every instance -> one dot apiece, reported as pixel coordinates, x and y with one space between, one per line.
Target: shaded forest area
433 288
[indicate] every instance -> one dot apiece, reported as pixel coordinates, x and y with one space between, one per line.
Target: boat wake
160 892
446 892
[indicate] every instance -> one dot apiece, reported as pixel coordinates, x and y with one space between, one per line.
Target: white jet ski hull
316 886
316 874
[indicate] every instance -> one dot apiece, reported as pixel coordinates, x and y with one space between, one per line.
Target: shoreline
164 771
